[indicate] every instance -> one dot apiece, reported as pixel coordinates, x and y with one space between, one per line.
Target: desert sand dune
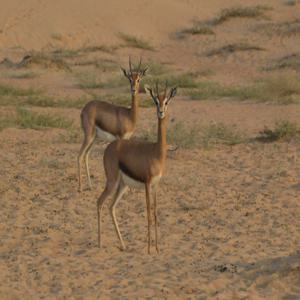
35 23
32 23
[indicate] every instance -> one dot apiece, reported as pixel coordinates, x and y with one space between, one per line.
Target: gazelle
133 163
109 121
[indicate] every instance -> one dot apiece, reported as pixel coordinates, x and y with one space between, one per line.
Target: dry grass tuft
156 68
45 60
287 62
24 118
284 130
46 101
231 48
219 133
198 28
182 80
8 90
22 75
284 29
135 42
12 96
205 28
99 48
65 53
240 12
279 90
122 100
90 81
290 2
197 136
105 65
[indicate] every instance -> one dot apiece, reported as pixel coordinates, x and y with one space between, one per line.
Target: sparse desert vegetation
278 90
228 203
90 81
206 27
24 118
291 61
198 28
198 136
283 130
240 12
290 2
46 60
135 42
12 96
283 29
231 48
22 75
182 80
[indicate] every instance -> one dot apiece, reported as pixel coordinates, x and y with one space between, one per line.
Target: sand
229 224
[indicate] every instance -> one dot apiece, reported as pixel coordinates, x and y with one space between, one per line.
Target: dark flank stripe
128 172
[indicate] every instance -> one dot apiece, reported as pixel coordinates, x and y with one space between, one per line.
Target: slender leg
107 192
86 160
79 162
147 185
88 140
120 192
155 220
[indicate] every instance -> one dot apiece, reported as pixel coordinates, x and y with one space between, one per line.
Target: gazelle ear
125 72
172 94
143 72
150 93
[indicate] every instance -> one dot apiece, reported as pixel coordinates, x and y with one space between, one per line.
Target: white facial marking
161 109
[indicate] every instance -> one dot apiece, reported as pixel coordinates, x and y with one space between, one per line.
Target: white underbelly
104 135
131 182
137 184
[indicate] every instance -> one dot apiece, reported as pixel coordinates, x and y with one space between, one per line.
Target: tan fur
135 163
111 121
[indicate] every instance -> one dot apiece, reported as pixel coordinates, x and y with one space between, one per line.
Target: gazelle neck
162 138
134 107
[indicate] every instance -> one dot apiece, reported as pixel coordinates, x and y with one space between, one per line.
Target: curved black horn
130 66
139 68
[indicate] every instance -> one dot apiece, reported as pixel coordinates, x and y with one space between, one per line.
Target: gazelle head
134 76
161 100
